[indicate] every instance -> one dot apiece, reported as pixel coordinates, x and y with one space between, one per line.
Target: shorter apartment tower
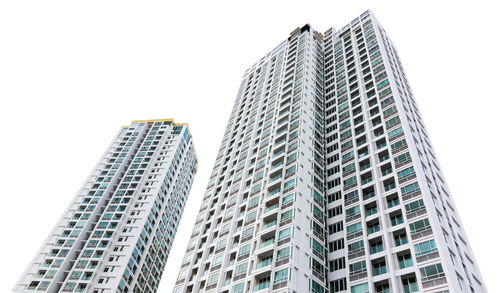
116 234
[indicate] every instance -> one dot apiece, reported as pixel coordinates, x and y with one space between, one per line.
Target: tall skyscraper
326 180
116 234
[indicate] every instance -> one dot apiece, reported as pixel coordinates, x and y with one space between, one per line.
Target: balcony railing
264 263
379 271
261 286
268 209
266 243
376 249
373 229
269 225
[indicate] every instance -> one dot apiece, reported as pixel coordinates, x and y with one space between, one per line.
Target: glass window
356 246
283 253
281 275
245 249
352 211
288 198
406 172
218 260
213 279
409 188
419 226
354 228
357 267
238 288
414 206
287 215
318 246
432 272
425 248
286 233
241 269
247 232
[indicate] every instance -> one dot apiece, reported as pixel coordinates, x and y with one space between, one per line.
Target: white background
73 72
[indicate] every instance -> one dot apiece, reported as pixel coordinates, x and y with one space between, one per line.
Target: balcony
371 211
379 270
264 263
269 225
383 158
270 208
386 171
364 166
276 165
278 154
368 195
379 146
392 202
274 180
410 288
389 186
376 248
279 142
373 229
397 220
405 261
400 239
366 180
266 243
261 286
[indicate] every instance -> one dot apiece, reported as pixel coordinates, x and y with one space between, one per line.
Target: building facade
116 234
326 180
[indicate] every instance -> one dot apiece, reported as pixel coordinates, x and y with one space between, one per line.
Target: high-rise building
116 234
326 180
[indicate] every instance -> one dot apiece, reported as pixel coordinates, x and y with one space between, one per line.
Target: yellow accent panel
161 120
153 120
125 126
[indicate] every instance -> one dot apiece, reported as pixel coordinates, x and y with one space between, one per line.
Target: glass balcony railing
282 131
386 157
269 225
366 180
389 186
373 229
264 263
376 249
397 221
393 203
405 263
387 171
261 286
276 166
379 271
280 142
364 167
282 122
266 243
401 241
268 209
276 191
411 288
371 212
368 195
